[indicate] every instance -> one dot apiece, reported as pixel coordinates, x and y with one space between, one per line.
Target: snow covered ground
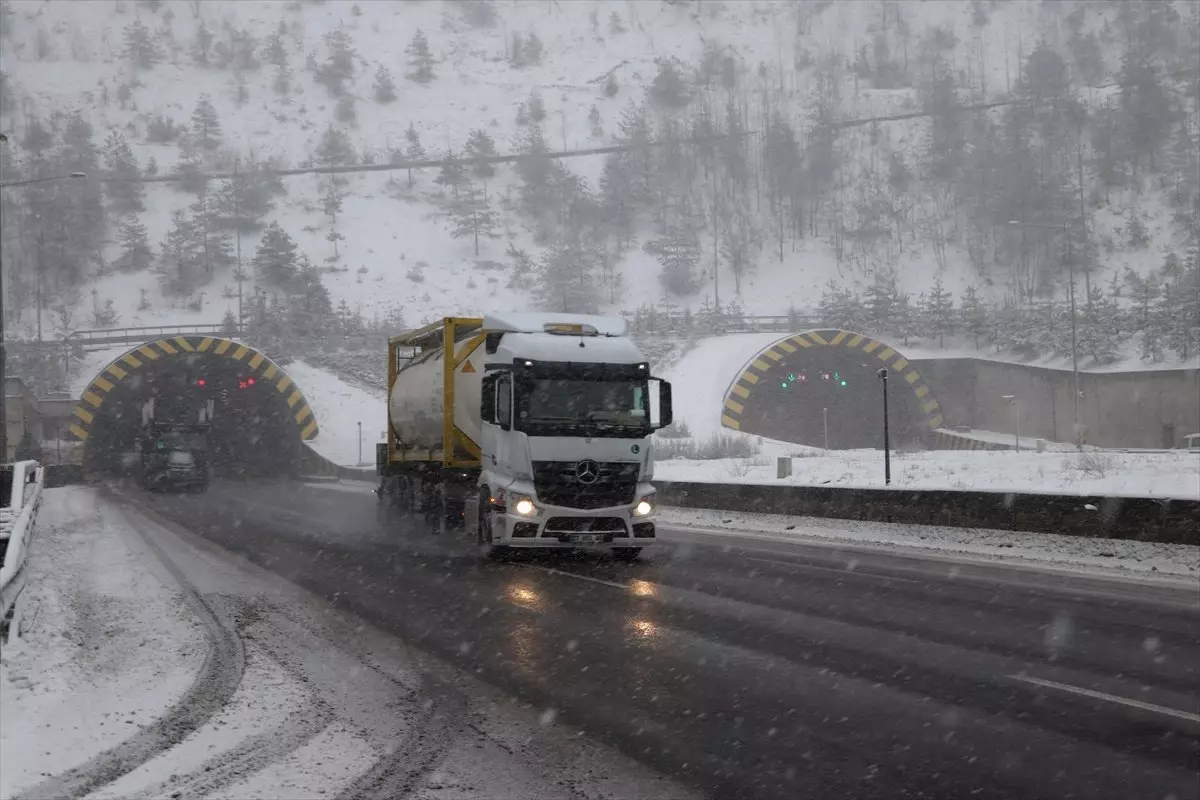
108 643
1105 556
1165 474
152 663
340 407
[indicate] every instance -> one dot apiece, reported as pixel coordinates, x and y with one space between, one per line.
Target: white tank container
416 400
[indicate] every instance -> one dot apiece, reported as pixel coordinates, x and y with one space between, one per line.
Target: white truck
534 430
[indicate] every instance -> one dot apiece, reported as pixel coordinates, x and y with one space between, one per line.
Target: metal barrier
16 529
99 339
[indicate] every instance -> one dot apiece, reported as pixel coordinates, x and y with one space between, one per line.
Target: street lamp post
887 449
1066 230
3 352
825 416
359 462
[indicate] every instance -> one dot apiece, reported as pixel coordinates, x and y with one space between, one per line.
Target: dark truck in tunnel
175 454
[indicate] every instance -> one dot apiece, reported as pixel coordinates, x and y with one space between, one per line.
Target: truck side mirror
665 414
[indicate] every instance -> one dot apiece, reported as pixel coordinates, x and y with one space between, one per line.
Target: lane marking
1186 716
834 569
601 581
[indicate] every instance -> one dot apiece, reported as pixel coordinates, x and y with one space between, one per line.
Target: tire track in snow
399 774
218 679
256 752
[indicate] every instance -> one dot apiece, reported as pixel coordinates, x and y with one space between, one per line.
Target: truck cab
568 408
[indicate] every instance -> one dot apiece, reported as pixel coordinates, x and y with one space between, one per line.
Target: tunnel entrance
821 389
257 417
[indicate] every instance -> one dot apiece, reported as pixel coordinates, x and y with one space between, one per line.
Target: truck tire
626 553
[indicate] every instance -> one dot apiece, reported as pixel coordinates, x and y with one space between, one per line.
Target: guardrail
16 528
711 324
113 336
1136 518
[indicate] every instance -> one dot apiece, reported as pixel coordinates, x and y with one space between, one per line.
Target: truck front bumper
557 527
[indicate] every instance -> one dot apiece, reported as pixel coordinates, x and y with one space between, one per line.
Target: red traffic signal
201 382
244 384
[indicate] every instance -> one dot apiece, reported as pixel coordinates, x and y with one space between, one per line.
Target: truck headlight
644 507
525 507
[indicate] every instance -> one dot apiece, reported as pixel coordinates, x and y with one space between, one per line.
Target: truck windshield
572 405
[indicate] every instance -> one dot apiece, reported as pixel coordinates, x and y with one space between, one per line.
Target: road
761 669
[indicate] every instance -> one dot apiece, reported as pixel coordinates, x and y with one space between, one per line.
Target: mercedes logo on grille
587 471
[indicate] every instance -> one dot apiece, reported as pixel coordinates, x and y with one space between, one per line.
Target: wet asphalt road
768 669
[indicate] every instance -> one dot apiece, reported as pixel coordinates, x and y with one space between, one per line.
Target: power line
407 165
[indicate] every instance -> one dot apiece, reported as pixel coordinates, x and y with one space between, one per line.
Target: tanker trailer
531 430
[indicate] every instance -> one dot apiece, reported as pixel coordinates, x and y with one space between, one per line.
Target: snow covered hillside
892 224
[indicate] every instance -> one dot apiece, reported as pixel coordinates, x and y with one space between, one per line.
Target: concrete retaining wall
1140 519
1146 409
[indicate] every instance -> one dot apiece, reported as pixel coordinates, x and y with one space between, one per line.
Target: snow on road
1100 556
108 643
1173 474
118 633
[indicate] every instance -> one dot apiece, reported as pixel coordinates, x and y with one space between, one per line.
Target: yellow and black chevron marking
761 365
125 366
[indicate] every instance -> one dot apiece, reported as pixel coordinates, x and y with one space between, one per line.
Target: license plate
586 538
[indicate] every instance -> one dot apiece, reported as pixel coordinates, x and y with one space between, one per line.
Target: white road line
1112 698
601 581
839 570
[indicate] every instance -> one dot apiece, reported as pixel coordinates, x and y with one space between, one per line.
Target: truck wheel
626 553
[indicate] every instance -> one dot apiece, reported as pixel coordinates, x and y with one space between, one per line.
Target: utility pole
41 247
237 232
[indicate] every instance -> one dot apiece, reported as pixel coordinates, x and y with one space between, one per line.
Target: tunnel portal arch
116 382
792 388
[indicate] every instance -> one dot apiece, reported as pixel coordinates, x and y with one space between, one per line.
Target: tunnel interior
252 429
834 392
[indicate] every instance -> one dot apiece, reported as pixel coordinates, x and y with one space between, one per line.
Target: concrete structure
784 392
1143 409
22 413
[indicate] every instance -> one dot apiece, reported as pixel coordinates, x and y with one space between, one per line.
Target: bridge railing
109 336
706 324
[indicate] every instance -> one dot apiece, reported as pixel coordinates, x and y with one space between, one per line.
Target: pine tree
421 60
452 173
937 313
203 45
335 149
975 317
1099 327
516 52
522 275
346 112
596 123
566 280
125 192
537 108
679 256
181 265
282 82
140 46
206 126
276 50
472 216
229 323
136 254
414 150
668 89
275 259
533 50
481 145
905 319
339 64
385 87
880 300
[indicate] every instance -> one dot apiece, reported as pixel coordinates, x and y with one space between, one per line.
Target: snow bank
1168 474
1079 553
107 646
702 376
339 408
